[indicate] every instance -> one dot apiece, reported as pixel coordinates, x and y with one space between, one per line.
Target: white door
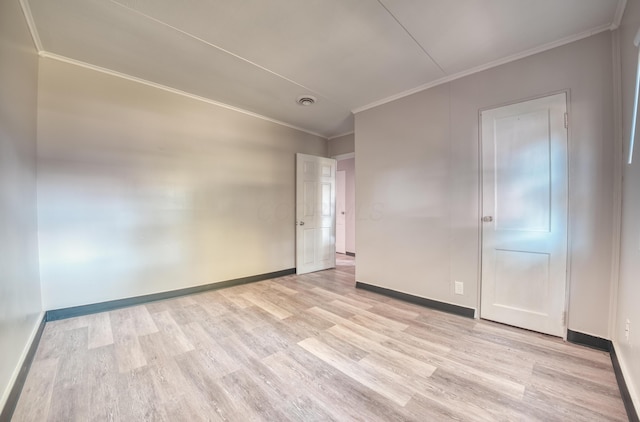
341 199
524 224
315 213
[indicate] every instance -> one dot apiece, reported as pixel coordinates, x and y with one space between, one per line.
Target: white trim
483 67
344 156
64 59
570 226
617 183
351 132
635 399
634 115
26 10
617 17
23 356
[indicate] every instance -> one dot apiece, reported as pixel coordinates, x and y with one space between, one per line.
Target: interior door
341 196
315 213
524 201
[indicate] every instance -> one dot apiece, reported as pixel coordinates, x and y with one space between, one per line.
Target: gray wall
629 286
341 145
417 175
20 305
349 166
143 191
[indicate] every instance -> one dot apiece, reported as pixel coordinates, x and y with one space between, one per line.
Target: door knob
302 223
487 219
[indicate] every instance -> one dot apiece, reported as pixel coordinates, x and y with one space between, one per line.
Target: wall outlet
627 329
458 287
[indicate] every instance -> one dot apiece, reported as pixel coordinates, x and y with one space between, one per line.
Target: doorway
524 209
345 205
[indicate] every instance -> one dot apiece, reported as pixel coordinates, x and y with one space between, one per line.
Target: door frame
341 194
567 92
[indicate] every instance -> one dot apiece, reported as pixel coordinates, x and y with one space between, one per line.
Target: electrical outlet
627 330
458 287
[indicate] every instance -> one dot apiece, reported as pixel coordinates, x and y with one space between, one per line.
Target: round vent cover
306 100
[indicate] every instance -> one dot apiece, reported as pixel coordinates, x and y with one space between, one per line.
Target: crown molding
28 16
351 132
53 56
617 17
477 69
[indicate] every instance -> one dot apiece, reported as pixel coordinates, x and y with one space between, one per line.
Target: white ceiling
261 55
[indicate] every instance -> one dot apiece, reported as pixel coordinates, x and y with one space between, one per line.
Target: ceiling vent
306 100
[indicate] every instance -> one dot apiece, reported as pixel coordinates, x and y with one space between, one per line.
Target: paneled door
524 223
315 213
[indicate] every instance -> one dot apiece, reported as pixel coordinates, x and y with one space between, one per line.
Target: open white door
315 213
341 204
524 201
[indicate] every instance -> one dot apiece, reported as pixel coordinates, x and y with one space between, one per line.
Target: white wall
629 281
417 175
143 191
349 166
20 305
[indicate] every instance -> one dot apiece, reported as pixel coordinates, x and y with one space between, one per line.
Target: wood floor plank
38 388
205 387
171 333
584 393
129 353
281 288
266 305
493 381
345 398
239 384
100 333
342 298
383 356
70 397
375 381
390 323
102 369
138 398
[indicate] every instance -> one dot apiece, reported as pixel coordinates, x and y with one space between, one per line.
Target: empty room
319 210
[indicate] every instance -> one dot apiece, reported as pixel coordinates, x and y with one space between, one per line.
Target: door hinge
566 120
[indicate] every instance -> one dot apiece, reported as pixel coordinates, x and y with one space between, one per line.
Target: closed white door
341 195
524 224
315 213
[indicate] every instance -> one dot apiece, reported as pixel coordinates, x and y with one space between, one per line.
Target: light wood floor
305 348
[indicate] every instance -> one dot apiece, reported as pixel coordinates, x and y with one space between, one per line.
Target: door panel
315 213
523 184
524 229
522 280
